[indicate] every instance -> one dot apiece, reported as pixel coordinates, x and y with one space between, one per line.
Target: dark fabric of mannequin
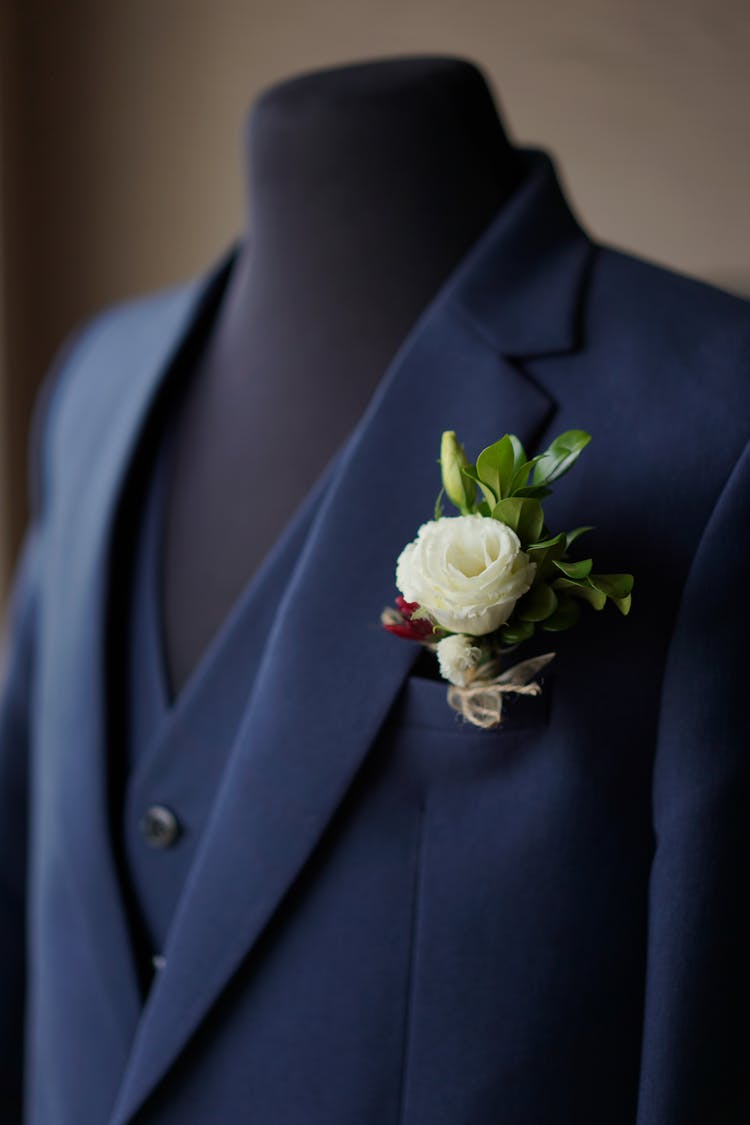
367 183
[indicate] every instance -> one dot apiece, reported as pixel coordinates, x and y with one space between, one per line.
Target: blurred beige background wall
121 140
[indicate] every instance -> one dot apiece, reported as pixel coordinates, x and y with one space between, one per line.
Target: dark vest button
159 827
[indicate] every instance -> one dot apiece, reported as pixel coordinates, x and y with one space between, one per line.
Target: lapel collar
117 376
330 673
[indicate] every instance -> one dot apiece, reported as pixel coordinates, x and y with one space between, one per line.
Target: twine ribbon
481 701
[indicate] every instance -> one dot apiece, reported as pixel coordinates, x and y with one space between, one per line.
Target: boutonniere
473 587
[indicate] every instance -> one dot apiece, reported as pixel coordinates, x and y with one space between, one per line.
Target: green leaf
516 632
613 585
623 604
523 515
521 473
439 505
544 554
583 590
519 453
545 544
566 615
495 466
580 569
571 536
535 491
537 604
471 472
483 508
561 456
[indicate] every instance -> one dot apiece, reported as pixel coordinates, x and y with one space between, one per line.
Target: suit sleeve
18 658
16 676
696 1032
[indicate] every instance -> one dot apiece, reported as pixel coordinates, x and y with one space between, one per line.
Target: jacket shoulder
674 296
88 367
690 337
136 328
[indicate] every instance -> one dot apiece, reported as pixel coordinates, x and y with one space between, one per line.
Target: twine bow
481 701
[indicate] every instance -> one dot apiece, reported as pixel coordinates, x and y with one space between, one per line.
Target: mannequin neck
366 184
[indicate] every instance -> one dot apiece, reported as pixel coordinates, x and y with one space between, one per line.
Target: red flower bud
407 608
407 627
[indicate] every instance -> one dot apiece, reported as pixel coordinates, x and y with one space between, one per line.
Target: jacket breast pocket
424 703
434 744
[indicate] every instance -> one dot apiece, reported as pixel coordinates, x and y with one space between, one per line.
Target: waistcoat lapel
330 673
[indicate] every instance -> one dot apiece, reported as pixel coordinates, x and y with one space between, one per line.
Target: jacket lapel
330 673
116 379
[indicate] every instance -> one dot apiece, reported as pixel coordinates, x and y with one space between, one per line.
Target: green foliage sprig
506 485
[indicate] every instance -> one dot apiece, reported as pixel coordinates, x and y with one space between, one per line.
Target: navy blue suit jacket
392 920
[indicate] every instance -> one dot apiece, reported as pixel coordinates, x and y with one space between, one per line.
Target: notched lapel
330 673
123 363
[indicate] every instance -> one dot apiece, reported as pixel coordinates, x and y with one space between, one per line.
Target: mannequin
367 184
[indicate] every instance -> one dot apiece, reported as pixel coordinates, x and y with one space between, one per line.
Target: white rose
458 658
468 572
